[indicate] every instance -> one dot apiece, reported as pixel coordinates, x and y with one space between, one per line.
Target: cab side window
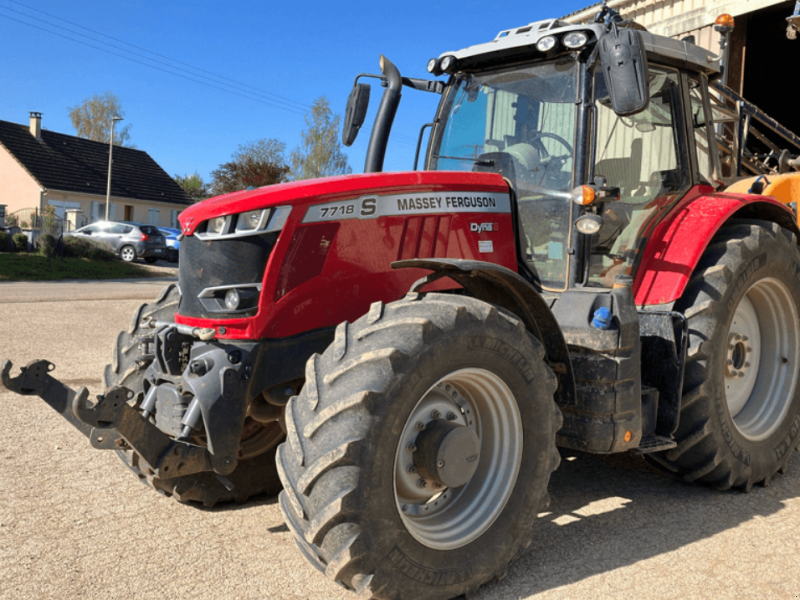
700 126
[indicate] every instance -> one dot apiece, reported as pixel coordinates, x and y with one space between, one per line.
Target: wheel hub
738 355
458 458
447 453
761 359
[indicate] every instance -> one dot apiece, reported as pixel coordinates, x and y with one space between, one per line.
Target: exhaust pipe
385 117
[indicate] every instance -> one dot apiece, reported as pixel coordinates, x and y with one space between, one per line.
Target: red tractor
406 351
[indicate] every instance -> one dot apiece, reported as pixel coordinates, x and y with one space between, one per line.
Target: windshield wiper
480 161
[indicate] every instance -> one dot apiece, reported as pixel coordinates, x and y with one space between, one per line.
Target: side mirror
355 113
624 63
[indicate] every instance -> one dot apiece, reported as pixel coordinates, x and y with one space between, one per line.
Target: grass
34 267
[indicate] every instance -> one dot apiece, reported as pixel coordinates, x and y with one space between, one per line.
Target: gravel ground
74 523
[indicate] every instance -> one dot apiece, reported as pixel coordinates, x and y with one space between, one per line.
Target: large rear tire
366 494
740 412
255 473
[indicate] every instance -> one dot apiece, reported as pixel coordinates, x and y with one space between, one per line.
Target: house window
99 211
173 219
153 217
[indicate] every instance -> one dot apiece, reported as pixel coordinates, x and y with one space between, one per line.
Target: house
40 168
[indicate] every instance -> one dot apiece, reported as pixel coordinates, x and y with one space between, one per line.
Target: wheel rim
257 438
446 518
761 362
127 254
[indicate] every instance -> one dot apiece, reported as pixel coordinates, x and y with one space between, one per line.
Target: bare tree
254 164
320 154
92 119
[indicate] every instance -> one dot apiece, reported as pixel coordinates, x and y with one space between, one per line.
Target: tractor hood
299 195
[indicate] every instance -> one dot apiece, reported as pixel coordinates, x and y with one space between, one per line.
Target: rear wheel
255 472
740 413
127 253
420 448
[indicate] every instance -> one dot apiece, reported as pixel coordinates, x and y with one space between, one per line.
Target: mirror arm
381 77
425 85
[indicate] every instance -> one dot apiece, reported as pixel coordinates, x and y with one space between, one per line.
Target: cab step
655 443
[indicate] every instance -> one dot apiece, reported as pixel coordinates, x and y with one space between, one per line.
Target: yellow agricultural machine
757 161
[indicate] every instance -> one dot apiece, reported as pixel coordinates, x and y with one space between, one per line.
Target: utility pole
110 152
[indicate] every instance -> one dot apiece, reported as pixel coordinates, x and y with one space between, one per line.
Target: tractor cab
549 124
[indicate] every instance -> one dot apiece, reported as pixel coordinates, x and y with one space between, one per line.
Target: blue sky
285 54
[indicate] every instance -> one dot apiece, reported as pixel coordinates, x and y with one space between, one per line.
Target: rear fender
679 240
502 287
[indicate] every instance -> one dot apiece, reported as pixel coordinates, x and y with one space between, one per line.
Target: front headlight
216 225
252 222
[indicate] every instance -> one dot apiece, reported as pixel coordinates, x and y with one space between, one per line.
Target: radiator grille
205 264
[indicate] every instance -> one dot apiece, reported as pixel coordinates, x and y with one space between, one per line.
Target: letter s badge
368 207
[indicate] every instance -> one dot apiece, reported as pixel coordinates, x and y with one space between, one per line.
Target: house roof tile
72 164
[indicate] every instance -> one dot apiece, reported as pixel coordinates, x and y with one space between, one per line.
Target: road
74 523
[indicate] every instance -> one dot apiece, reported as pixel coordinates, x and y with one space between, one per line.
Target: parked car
173 244
129 240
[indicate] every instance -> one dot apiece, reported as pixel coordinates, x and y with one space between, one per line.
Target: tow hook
110 419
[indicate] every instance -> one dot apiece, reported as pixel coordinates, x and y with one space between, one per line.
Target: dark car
173 244
129 240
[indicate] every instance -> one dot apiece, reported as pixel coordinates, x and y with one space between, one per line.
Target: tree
254 164
92 119
320 154
194 186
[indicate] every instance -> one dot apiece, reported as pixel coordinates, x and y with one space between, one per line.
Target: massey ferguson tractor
405 352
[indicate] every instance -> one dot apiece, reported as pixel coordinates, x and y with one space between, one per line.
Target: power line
257 95
278 97
242 93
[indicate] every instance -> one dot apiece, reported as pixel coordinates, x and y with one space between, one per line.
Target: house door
128 212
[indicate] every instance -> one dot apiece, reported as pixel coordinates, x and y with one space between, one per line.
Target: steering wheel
543 134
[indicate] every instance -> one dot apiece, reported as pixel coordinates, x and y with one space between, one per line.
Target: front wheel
420 448
127 253
740 412
150 260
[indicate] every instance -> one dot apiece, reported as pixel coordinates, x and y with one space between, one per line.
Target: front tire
740 412
359 445
255 472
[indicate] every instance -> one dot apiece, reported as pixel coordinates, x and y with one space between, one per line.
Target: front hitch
112 423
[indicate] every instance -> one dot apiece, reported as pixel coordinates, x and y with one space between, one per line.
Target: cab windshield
519 122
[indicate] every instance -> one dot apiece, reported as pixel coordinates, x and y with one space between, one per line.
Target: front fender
502 287
678 241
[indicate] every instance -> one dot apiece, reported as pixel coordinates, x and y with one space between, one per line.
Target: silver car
128 240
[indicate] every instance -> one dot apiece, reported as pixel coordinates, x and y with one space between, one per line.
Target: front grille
205 264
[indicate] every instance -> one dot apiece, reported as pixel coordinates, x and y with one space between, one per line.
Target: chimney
36 125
